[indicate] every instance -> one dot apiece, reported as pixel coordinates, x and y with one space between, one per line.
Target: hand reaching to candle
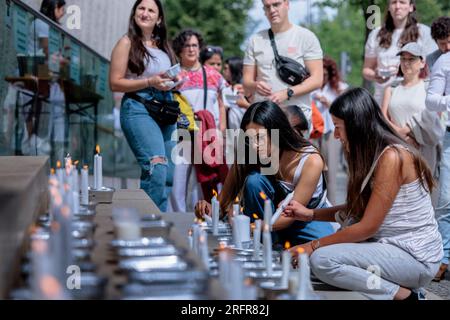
294 251
203 208
298 211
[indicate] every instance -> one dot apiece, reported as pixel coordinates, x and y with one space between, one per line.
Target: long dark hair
334 78
48 8
270 116
139 56
235 65
410 34
368 134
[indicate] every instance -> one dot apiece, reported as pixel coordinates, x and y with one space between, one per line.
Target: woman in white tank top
388 224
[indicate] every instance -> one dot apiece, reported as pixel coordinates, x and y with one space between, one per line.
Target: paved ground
441 289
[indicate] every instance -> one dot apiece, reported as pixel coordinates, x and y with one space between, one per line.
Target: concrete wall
103 22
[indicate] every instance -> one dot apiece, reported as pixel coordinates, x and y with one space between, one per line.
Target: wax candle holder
84 213
271 290
168 276
103 195
139 243
164 250
146 264
91 206
259 274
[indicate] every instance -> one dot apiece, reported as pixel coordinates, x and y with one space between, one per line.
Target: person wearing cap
404 105
438 99
401 26
440 31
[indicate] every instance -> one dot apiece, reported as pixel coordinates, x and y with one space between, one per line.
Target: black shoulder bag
164 112
289 70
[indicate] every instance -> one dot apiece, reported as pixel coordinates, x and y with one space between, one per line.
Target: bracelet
313 215
148 82
315 246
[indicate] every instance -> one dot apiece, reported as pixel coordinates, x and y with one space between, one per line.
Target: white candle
267 212
60 174
204 248
267 242
304 286
75 180
236 209
242 227
190 240
84 186
286 257
224 266
98 170
68 162
76 202
195 237
215 215
237 281
257 239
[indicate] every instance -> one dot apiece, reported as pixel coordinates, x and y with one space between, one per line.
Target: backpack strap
205 87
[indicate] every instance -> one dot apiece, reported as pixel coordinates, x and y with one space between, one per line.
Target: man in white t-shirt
261 81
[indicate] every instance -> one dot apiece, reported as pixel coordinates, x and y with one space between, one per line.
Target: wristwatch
290 93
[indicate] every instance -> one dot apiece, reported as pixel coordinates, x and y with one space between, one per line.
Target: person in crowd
438 99
261 81
299 169
139 63
400 26
297 120
404 104
388 224
213 57
440 31
234 99
331 88
197 77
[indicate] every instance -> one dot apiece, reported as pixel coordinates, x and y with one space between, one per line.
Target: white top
438 94
388 57
410 224
298 172
38 30
406 102
330 95
297 43
159 62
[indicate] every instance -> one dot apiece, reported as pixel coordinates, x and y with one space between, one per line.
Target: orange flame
50 286
65 211
300 250
214 193
287 245
236 201
263 195
222 245
52 171
97 149
255 216
58 164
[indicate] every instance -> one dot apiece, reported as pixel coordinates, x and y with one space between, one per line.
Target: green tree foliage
221 22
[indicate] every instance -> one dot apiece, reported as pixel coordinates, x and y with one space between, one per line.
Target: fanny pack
289 70
164 112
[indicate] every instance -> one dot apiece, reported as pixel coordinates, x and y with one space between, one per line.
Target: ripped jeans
152 145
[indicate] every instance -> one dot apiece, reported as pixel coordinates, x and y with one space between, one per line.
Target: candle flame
252 226
263 195
214 193
255 216
248 282
52 171
76 162
300 250
287 245
97 149
50 287
58 164
190 232
236 201
65 211
222 245
202 239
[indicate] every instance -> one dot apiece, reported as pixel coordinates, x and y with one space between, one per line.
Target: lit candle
75 182
224 265
215 214
304 286
190 240
257 239
195 236
267 209
236 208
85 185
68 161
98 169
267 243
59 173
286 262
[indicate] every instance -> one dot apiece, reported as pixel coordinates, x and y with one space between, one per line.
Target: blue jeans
443 211
298 232
152 145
